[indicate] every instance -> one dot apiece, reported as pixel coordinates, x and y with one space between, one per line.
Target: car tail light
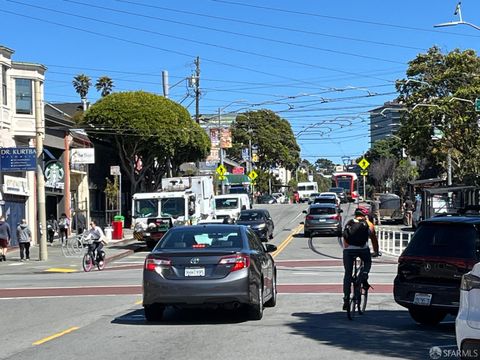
239 262
152 263
459 263
309 217
469 282
335 217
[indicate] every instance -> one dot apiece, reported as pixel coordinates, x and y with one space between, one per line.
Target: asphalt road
99 314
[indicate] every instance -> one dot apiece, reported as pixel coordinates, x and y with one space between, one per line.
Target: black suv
430 268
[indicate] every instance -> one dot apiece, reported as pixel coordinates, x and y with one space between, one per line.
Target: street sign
18 159
221 177
115 170
477 104
252 175
363 163
364 172
221 170
238 170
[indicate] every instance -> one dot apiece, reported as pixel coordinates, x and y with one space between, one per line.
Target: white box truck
305 189
180 201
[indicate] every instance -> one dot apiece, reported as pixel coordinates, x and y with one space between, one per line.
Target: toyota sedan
209 265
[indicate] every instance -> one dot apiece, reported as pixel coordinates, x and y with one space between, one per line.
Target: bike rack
74 246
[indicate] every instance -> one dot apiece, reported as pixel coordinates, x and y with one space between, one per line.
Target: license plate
194 271
322 220
422 299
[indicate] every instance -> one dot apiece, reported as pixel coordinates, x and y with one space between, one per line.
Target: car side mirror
304 211
302 223
270 248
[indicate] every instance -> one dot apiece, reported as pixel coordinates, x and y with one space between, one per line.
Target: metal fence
393 241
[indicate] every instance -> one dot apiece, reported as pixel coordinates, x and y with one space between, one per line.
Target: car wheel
306 233
255 311
273 300
271 236
427 316
154 312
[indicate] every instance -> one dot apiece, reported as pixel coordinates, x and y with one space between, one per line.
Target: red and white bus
348 181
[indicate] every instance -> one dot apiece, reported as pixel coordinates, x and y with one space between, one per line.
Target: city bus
348 181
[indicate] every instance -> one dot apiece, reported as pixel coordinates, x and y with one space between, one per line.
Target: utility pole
40 134
197 90
165 85
222 188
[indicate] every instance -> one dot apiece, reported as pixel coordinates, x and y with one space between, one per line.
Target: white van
230 205
305 189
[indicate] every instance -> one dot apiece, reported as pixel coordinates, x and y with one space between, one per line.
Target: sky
322 65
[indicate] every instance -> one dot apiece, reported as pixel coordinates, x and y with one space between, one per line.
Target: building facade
385 120
21 107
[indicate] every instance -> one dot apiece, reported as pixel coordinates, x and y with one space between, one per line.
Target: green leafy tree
271 135
105 85
325 166
81 84
439 92
150 132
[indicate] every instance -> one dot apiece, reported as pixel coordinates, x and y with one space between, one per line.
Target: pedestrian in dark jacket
52 228
5 236
24 236
80 222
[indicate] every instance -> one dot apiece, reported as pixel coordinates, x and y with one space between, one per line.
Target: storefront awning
80 139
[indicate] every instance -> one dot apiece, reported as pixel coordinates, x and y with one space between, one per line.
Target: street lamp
458 11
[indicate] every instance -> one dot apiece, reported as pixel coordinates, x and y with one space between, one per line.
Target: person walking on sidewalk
63 224
24 236
52 228
5 236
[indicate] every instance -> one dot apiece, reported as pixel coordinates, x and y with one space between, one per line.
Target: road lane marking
61 270
287 241
54 336
139 302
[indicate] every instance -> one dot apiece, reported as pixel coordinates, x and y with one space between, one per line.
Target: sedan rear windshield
322 211
444 240
251 216
200 239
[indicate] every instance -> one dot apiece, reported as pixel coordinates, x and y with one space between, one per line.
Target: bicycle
90 260
358 294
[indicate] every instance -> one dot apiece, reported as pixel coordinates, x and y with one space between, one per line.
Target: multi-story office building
385 120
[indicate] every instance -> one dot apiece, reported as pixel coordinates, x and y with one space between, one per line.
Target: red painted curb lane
137 290
329 288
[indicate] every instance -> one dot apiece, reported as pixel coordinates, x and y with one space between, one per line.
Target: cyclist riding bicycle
355 244
98 238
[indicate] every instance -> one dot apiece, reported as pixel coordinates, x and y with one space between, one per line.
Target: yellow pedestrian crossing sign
221 170
364 172
364 164
221 177
252 175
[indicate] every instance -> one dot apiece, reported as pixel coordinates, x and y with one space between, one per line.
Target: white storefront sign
15 185
82 156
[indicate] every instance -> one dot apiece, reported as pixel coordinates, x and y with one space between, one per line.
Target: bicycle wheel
87 262
101 261
352 304
363 301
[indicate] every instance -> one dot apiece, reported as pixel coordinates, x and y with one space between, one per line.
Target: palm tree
82 83
104 84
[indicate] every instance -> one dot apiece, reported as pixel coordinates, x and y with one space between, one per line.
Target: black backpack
356 232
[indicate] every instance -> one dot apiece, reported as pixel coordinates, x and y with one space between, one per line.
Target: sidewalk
64 260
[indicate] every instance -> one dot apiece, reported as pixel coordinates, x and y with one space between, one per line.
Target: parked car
467 324
260 221
266 199
322 218
342 195
325 198
205 265
281 198
431 267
